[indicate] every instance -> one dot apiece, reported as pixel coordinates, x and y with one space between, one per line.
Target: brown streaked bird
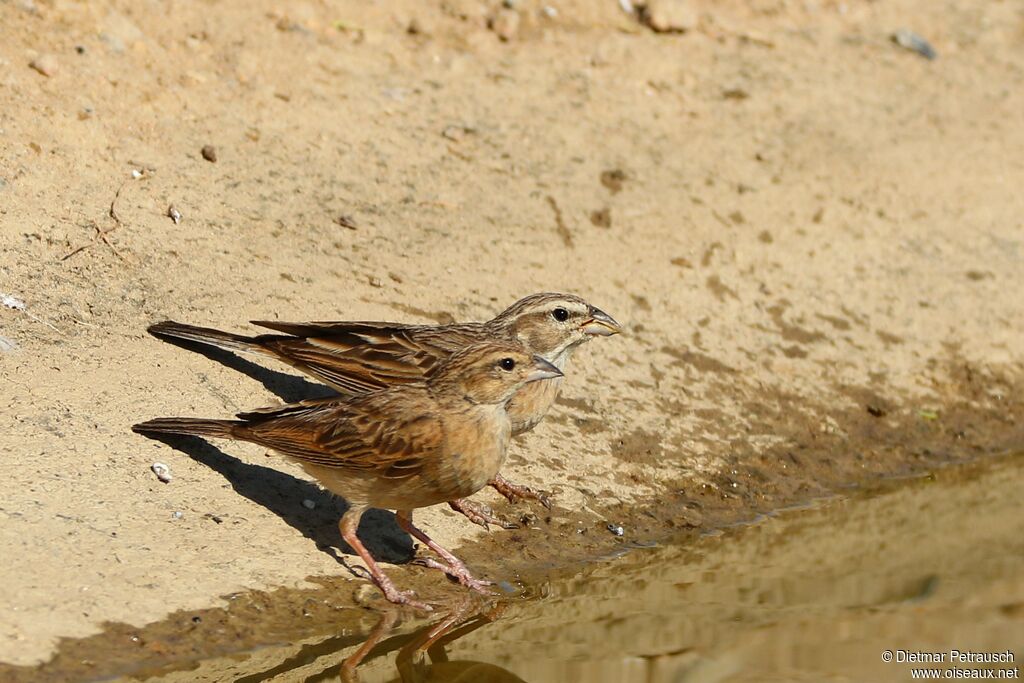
360 356
403 447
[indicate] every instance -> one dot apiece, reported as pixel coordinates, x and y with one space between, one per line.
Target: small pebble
308 504
691 517
174 214
613 179
366 595
505 23
669 16
909 40
177 514
616 529
455 133
602 218
8 301
136 173
209 153
162 472
346 221
44 64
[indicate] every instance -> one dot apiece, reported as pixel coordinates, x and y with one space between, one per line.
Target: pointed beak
542 370
601 324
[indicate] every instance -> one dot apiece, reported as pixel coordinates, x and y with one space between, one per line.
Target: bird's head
549 324
491 373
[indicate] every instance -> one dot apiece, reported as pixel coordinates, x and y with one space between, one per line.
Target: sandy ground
813 235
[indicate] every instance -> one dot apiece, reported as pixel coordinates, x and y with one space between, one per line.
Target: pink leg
348 525
516 491
383 627
425 640
452 565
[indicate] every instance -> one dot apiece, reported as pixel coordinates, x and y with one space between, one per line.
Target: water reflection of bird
460 672
356 357
424 660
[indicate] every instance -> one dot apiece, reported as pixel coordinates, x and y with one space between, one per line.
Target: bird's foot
408 598
457 570
514 492
480 514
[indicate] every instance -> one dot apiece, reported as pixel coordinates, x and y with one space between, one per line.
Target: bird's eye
560 314
507 364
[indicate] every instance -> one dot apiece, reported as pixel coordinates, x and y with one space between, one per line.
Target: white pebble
12 302
162 472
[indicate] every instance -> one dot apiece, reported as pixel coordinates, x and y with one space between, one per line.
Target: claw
514 492
405 598
480 514
461 573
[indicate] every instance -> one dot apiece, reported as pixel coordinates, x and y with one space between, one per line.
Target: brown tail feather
221 429
206 335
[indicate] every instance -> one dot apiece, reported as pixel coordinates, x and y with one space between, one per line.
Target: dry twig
101 234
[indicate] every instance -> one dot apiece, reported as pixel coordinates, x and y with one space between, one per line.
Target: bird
402 447
354 357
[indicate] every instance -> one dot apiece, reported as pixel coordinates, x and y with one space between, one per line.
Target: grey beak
542 370
601 324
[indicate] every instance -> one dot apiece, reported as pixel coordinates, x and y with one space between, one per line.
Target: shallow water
815 594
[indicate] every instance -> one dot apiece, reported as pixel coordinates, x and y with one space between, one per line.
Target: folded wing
391 435
360 357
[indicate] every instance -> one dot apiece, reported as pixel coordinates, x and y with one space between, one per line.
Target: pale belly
390 494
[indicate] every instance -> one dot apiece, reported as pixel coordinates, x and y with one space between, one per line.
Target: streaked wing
336 327
360 357
392 436
283 409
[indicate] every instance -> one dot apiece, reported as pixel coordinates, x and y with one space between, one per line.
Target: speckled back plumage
364 356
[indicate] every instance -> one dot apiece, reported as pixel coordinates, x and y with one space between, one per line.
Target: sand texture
812 235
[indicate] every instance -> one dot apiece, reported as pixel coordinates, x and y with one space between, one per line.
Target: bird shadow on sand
284 495
289 388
